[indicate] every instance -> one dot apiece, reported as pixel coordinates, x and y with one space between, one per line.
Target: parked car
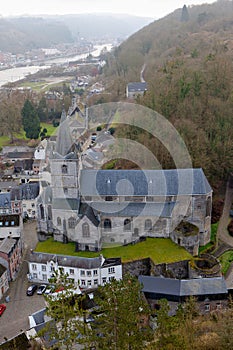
49 289
41 289
31 289
2 309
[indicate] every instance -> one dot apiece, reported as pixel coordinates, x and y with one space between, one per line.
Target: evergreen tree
30 120
184 14
122 312
66 309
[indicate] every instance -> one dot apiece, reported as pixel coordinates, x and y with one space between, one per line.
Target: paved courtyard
15 318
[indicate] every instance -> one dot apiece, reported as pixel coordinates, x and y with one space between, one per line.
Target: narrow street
15 319
222 233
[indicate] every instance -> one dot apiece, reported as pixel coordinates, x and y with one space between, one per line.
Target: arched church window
208 207
42 212
64 169
148 225
58 221
49 212
85 229
127 225
107 225
71 222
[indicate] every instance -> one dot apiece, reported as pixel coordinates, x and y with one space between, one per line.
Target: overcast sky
146 8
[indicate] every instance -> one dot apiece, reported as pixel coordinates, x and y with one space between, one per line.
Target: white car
41 289
49 289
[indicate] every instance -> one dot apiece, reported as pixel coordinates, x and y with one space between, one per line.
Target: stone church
97 208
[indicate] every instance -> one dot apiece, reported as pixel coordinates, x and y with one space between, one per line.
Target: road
222 233
15 318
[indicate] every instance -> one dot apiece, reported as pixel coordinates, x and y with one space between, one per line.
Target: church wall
64 176
118 234
92 242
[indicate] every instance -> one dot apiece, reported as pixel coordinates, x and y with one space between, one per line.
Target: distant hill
19 34
104 26
187 57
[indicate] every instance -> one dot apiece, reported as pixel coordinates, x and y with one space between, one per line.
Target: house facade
11 253
85 272
211 293
4 285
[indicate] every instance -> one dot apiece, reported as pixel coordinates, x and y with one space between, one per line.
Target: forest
189 72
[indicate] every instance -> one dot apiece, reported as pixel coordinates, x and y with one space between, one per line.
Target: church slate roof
64 139
143 182
86 210
66 203
134 209
171 286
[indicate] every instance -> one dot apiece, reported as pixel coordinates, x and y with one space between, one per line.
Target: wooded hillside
189 71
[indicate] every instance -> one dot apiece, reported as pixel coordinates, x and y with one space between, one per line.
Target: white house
85 272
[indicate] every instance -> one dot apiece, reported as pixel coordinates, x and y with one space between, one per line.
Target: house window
108 198
71 222
34 267
71 271
44 277
85 229
111 270
95 282
64 169
111 279
148 225
107 225
89 282
104 280
1 223
127 225
43 267
88 273
6 223
95 272
83 282
58 221
207 307
34 275
82 273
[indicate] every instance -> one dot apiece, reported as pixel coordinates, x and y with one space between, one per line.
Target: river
18 73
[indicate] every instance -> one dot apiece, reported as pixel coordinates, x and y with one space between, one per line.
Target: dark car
2 309
31 289
41 289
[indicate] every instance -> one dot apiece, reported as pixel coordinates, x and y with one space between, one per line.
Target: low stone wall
137 267
177 269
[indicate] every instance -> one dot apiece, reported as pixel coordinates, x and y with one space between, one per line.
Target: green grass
226 260
160 250
5 140
50 128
